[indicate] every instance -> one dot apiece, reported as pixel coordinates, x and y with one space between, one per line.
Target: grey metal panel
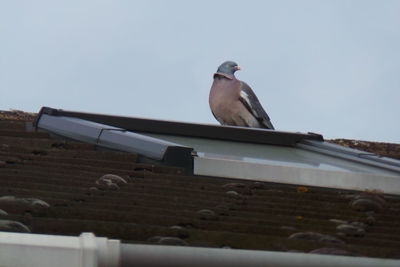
164 146
377 158
111 137
73 128
135 143
337 148
279 155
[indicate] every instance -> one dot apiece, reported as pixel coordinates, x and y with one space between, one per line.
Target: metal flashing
230 133
118 139
232 152
350 154
296 175
331 157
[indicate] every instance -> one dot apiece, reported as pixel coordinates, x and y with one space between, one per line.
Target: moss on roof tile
17 115
383 149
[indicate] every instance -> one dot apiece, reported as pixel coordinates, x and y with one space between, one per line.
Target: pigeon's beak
237 68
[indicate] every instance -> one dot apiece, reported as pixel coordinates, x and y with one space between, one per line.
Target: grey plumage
233 102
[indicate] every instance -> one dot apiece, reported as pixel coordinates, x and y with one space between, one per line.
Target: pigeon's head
228 67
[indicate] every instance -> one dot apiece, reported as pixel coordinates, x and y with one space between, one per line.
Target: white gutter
175 256
35 250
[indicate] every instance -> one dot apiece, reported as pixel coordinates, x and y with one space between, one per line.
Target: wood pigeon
233 102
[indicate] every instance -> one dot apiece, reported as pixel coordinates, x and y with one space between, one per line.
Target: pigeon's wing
252 104
216 117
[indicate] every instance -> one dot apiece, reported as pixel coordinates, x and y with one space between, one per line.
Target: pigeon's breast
224 96
224 90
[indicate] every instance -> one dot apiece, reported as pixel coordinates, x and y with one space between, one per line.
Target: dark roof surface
54 186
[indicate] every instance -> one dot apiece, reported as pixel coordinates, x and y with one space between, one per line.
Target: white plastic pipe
23 250
33 250
175 256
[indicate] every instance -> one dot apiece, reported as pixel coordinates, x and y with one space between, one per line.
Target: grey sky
330 67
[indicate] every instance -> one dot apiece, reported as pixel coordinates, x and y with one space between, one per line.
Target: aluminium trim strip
296 175
351 154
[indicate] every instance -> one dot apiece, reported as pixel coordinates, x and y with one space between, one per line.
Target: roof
381 148
57 186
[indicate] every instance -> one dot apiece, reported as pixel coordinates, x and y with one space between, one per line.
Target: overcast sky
330 67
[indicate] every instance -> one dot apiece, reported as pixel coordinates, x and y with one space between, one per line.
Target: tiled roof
54 186
380 148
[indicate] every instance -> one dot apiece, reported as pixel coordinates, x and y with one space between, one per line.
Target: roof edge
230 133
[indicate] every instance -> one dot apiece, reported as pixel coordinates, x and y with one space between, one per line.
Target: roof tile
160 205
